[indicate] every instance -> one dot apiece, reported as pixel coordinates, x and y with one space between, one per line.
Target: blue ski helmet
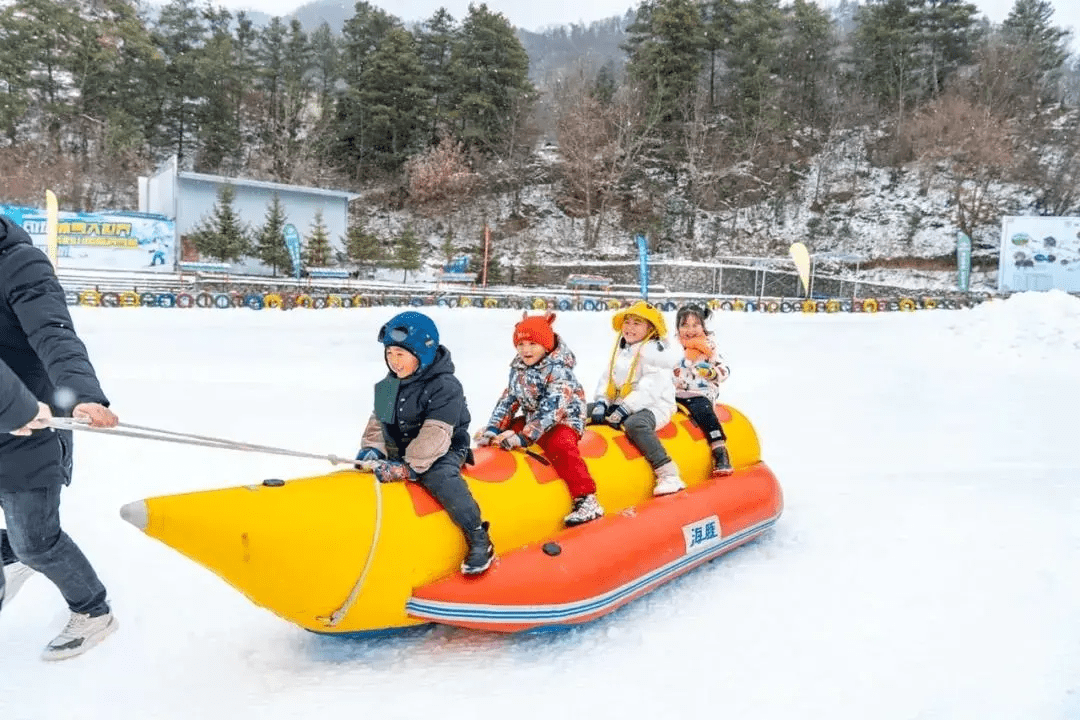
413 331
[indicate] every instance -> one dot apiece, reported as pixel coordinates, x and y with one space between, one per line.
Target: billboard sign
1039 253
102 240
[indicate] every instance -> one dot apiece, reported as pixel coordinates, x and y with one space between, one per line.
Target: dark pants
443 480
641 429
704 416
34 537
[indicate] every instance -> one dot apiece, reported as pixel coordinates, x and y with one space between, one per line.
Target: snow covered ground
925 565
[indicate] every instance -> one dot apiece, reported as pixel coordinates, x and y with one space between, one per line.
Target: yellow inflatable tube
300 548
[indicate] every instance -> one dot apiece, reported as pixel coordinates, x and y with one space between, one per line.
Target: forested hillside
723 127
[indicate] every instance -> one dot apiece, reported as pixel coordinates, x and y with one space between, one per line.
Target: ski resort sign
102 241
1039 253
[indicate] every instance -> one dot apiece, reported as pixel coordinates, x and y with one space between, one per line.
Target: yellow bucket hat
643 310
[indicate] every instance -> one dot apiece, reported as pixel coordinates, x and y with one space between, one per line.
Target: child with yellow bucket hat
636 393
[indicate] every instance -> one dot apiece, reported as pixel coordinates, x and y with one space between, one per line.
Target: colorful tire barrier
257 300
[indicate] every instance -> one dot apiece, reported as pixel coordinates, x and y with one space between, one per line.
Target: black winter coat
18 405
39 344
431 394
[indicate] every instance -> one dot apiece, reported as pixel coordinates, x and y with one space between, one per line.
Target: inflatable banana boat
340 553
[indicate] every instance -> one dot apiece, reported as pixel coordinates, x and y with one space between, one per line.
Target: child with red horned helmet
544 403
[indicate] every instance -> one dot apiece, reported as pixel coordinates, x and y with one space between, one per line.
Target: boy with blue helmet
419 431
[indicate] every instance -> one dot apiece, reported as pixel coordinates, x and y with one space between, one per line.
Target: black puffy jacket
434 393
39 344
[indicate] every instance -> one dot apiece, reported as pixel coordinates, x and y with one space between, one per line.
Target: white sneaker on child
668 480
15 575
81 633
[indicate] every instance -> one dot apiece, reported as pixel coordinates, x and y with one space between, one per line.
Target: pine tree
407 252
222 236
665 54
490 79
271 247
1032 38
317 243
395 103
362 247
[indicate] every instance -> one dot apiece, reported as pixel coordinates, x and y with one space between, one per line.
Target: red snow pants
560 445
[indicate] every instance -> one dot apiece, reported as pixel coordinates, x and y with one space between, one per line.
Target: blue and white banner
104 240
1039 253
292 242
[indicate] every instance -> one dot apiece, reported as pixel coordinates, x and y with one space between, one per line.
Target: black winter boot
721 460
480 553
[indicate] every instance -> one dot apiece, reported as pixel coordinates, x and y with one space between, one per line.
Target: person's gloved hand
705 370
597 412
387 471
509 440
370 453
617 416
485 437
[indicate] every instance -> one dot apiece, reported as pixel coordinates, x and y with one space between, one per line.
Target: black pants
443 480
704 416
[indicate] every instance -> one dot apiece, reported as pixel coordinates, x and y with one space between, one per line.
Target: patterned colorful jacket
701 377
547 394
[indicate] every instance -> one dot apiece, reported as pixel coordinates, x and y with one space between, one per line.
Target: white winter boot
81 633
15 575
667 479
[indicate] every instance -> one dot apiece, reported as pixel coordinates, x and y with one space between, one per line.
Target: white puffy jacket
651 387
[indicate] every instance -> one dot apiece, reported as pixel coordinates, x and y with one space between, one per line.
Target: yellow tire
491 303
129 299
870 305
809 306
832 306
90 298
273 301
907 304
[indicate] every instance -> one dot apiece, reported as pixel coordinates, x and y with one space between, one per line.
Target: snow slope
925 565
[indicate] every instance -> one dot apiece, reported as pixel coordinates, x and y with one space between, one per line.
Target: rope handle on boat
338 615
149 433
143 432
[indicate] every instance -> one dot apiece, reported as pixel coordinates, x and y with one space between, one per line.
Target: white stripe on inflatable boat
440 610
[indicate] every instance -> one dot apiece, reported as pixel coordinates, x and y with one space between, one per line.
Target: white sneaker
15 575
81 633
668 480
586 509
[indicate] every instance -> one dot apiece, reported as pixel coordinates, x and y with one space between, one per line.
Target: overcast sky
537 14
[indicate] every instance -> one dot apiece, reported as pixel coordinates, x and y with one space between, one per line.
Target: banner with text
1039 253
104 240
